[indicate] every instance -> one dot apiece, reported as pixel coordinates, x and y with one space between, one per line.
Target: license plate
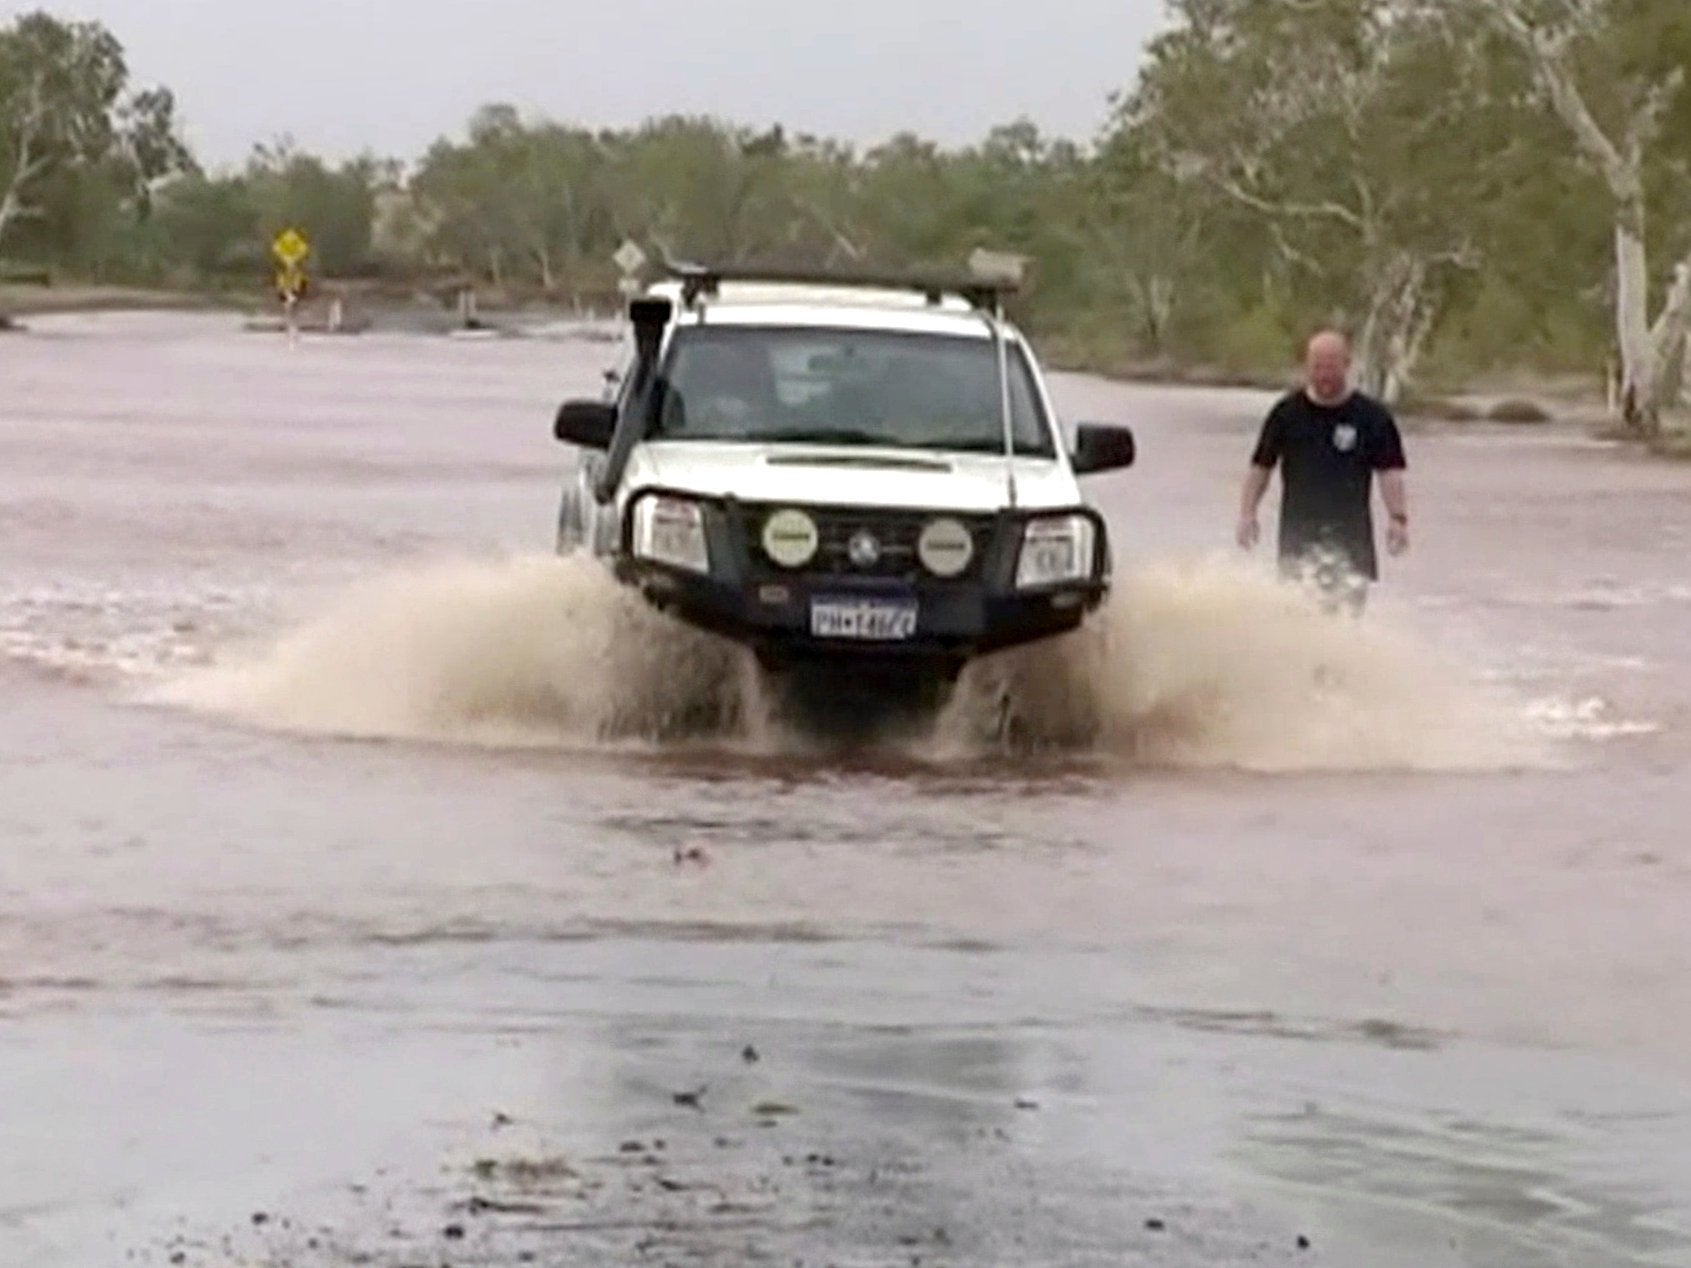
879 620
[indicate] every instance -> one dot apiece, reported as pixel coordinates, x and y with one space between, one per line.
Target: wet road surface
394 918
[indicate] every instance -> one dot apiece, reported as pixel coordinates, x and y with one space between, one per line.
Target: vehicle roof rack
985 293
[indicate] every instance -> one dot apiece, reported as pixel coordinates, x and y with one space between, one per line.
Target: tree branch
1291 210
841 240
1647 122
27 164
1670 323
1546 55
1292 254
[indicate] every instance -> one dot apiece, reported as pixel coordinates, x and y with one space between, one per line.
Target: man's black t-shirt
1328 455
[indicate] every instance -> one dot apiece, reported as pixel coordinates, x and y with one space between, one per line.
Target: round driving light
790 538
864 549
945 548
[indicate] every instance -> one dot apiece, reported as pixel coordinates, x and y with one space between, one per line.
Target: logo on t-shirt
1344 437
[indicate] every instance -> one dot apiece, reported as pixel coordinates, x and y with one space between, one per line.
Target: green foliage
286 188
1384 165
1258 342
79 151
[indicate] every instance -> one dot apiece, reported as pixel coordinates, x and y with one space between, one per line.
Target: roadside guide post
629 259
290 249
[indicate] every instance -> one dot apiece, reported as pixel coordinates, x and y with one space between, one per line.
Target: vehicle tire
571 538
855 701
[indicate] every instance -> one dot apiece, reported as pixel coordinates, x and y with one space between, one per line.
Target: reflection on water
1511 1196
1384 1034
417 934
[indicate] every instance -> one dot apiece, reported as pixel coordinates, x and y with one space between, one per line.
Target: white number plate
879 620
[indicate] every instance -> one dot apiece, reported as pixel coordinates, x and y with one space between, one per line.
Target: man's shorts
1329 574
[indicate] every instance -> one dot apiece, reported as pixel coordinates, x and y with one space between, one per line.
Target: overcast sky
341 76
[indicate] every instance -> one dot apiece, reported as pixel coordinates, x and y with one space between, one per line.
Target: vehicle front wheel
853 700
571 536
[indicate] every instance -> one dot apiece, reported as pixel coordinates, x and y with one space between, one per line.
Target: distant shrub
1255 343
1518 411
1418 405
1674 443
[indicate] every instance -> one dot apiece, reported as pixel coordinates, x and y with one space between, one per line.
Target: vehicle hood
851 475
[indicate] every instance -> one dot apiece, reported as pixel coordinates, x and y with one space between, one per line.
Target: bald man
1329 442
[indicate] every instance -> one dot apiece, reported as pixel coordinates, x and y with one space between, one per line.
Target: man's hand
1397 506
1250 497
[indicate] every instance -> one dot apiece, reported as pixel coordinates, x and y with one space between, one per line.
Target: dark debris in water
693 1099
812 1193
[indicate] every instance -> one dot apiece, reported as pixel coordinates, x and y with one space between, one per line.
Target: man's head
1327 367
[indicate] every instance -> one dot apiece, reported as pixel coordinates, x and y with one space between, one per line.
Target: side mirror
589 424
1102 447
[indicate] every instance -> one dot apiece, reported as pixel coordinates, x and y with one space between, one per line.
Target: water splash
1205 663
533 650
1201 664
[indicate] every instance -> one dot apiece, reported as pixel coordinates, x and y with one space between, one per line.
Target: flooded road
359 904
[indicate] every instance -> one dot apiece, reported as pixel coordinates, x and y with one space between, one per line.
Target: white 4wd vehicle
863 473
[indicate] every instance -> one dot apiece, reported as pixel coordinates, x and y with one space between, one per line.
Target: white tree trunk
1401 315
1644 352
1639 405
1159 308
1673 374
1370 353
8 211
1672 338
1653 357
1153 297
26 163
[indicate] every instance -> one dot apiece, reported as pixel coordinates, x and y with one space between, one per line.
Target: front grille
895 532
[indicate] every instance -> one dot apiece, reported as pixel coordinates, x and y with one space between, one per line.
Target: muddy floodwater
364 899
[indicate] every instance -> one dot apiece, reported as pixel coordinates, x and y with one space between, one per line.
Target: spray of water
1207 664
1197 664
533 650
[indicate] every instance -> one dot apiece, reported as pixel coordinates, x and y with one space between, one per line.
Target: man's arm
1257 474
1390 462
1394 491
1257 477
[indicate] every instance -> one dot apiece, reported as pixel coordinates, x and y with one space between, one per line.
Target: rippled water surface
339 816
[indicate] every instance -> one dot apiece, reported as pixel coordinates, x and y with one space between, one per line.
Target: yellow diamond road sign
629 258
290 247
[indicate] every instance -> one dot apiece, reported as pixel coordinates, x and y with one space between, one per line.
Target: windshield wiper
826 436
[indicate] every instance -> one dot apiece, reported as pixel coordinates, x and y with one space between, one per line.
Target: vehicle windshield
850 387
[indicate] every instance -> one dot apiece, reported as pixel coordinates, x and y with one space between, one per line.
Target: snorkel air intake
649 316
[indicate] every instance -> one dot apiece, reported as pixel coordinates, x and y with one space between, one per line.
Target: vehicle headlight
790 538
671 531
945 548
1055 550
